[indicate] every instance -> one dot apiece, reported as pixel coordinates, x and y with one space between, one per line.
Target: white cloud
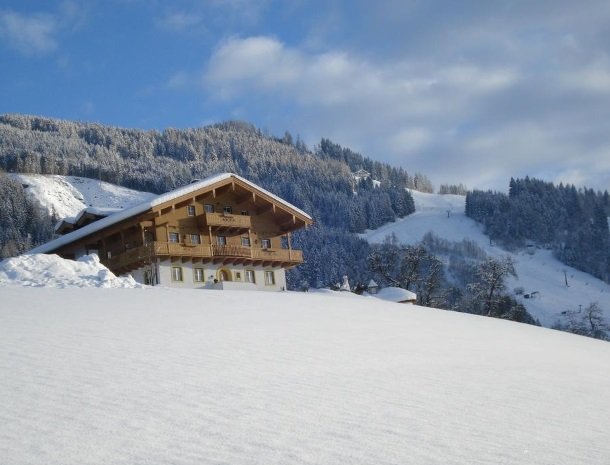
456 120
34 34
594 78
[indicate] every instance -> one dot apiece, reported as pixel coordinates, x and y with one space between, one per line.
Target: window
174 237
238 276
209 208
195 239
269 278
250 276
266 243
176 273
227 209
245 213
245 241
221 240
190 210
198 275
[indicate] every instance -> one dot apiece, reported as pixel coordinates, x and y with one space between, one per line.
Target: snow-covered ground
158 376
538 272
65 196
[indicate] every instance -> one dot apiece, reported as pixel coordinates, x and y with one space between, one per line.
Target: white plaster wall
210 270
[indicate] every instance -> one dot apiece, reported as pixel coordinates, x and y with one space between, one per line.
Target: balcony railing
138 256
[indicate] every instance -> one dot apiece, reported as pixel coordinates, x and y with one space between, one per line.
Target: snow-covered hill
157 376
541 272
65 196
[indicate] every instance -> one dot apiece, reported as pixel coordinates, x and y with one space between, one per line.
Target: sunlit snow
538 272
65 196
157 376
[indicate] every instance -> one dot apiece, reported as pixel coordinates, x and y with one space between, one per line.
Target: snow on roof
144 206
372 283
395 294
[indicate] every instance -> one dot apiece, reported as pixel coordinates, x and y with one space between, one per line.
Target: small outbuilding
397 294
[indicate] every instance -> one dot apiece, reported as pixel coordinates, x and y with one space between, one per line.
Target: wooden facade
228 222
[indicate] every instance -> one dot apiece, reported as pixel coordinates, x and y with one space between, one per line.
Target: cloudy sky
462 91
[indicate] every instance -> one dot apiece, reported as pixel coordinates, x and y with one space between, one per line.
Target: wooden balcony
226 254
225 221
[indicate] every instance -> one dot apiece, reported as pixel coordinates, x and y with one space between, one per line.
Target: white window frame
250 276
269 274
265 243
245 241
198 275
190 210
177 275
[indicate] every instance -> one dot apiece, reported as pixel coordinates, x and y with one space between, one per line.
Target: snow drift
40 270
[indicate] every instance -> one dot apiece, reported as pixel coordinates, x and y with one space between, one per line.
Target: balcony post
250 240
289 246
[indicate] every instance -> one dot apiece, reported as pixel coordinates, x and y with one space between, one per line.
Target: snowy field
158 376
538 272
65 196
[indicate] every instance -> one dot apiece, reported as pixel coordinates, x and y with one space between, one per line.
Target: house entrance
224 275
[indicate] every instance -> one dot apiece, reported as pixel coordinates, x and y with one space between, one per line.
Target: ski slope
158 376
539 272
65 196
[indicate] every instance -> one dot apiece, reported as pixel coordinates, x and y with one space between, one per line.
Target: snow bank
40 270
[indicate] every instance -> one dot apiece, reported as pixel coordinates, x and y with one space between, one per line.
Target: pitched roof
145 206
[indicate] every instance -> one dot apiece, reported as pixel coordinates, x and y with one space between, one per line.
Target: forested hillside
573 222
319 181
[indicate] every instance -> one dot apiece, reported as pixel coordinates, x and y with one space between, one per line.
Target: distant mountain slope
124 376
65 196
539 272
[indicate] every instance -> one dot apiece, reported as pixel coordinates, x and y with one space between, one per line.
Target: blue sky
469 91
